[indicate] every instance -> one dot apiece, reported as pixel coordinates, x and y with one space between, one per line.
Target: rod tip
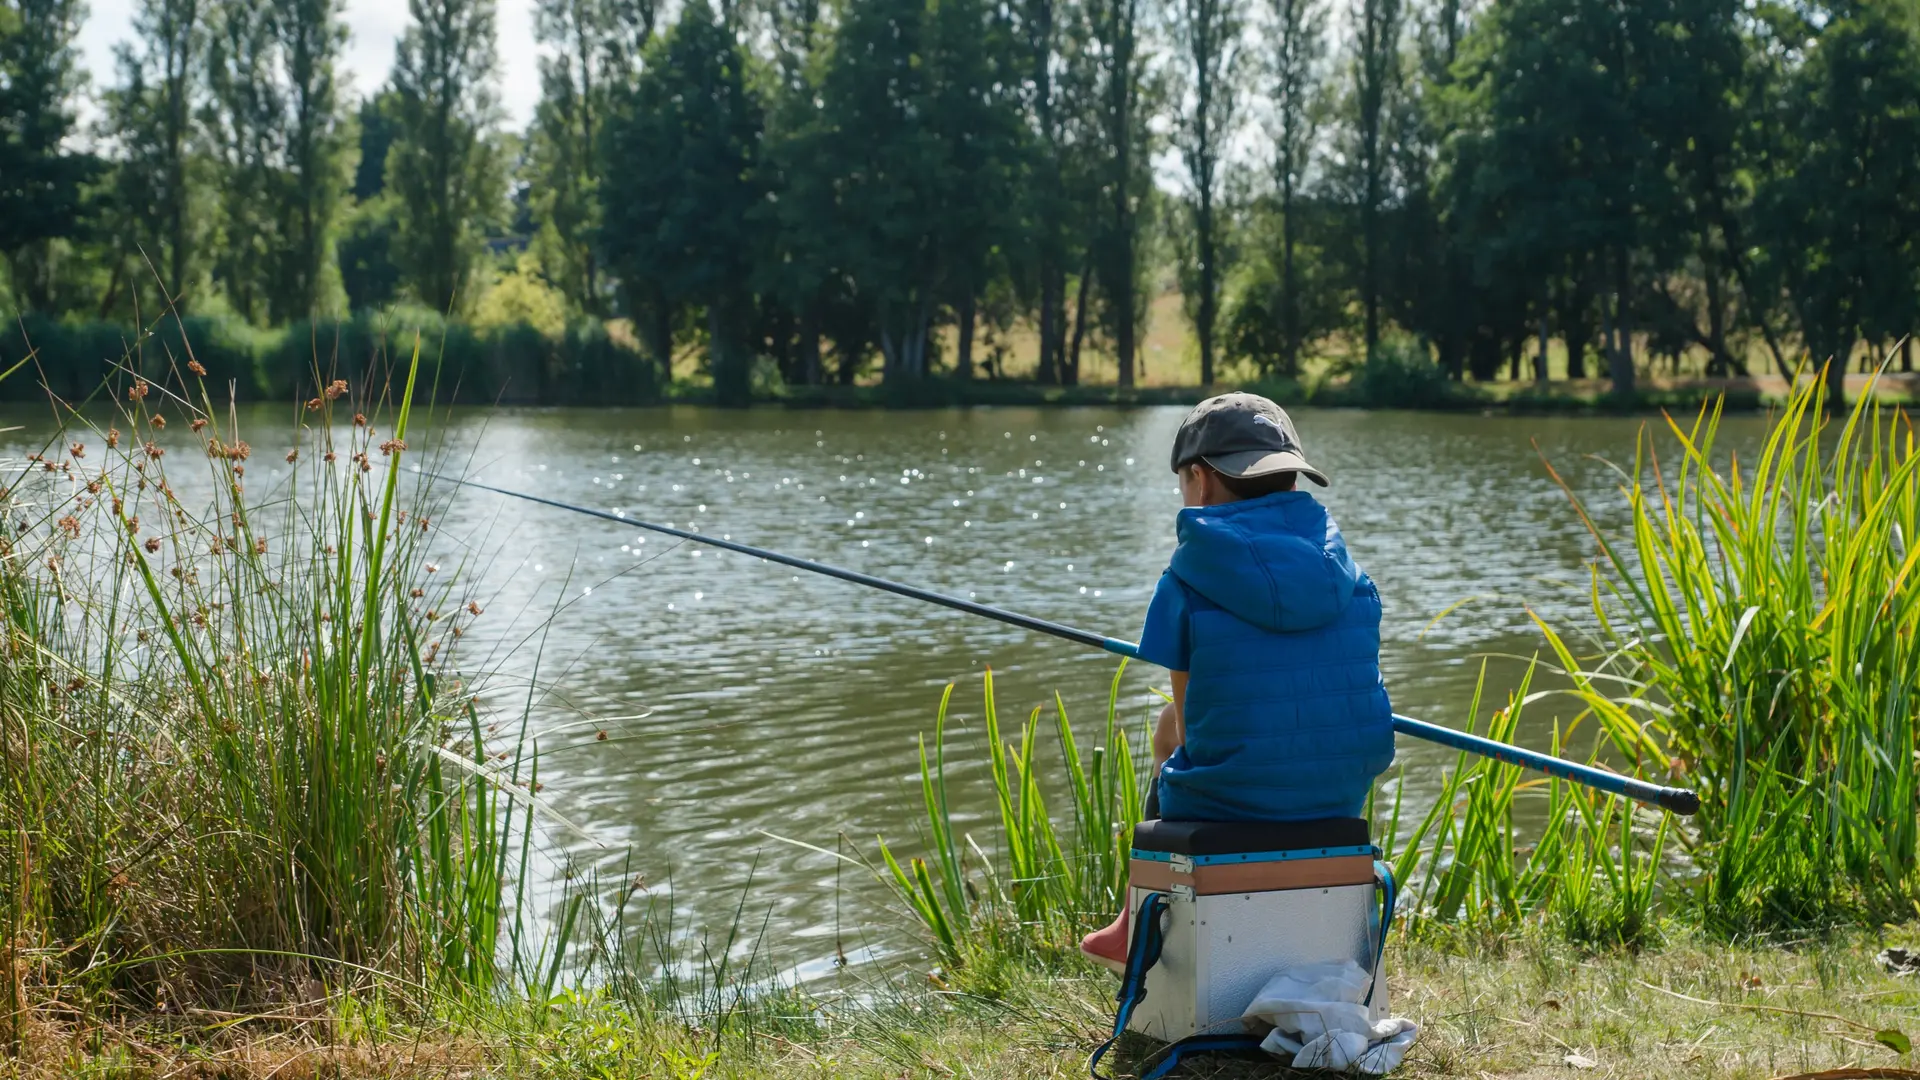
1680 801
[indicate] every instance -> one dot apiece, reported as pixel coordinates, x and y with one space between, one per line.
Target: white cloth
1320 1021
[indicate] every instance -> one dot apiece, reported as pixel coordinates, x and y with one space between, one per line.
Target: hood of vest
1277 561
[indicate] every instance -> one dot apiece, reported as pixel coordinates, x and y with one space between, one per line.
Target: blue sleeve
1166 640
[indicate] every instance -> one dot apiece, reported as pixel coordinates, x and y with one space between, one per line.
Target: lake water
744 701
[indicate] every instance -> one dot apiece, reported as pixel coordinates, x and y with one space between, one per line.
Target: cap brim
1251 463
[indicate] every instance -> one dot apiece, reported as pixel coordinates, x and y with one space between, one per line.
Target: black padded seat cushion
1235 837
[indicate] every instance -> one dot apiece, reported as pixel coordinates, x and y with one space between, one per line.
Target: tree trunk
1906 354
1719 361
1289 302
1050 300
1540 359
732 373
1070 370
1209 299
1514 350
848 361
963 362
810 345
1121 291
1837 374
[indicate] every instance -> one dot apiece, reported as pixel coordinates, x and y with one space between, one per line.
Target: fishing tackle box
1243 901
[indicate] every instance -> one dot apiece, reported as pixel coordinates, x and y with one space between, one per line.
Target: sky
375 26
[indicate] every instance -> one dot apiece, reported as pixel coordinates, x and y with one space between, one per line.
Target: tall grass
1035 882
1760 620
1483 859
232 766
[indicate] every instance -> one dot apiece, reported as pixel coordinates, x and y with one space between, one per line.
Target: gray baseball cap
1242 435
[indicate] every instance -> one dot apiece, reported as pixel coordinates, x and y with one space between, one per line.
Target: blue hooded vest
1287 718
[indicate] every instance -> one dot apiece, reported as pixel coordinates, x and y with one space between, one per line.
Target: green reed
1759 621
1047 880
1483 859
233 762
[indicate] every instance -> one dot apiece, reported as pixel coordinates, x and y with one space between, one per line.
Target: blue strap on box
1141 956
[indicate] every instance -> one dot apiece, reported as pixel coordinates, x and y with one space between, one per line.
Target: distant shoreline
1583 397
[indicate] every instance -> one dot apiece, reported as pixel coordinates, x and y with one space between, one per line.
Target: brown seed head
157 421
194 366
393 446
293 456
154 451
78 450
138 390
336 388
113 437
153 544
198 423
359 419
313 404
331 455
71 526
259 547
473 608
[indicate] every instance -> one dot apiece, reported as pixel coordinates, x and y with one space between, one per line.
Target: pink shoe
1108 945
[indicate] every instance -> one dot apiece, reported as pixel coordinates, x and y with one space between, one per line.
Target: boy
1272 635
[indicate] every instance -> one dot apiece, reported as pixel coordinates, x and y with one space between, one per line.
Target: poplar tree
1296 50
591 53
160 175
40 179
1121 128
1209 58
444 167
243 119
312 36
1376 73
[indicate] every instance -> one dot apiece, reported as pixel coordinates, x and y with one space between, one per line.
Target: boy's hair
1252 487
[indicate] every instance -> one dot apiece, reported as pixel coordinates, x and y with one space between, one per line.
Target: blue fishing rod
1678 800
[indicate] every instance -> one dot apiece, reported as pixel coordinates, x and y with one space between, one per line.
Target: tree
311 37
151 118
1297 44
591 45
973 113
1844 207
242 119
1113 29
1209 60
365 252
681 186
40 179
444 167
1376 76
1558 179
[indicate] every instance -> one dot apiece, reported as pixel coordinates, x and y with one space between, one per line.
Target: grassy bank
1517 1007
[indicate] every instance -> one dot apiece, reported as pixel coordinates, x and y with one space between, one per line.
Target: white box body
1220 950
